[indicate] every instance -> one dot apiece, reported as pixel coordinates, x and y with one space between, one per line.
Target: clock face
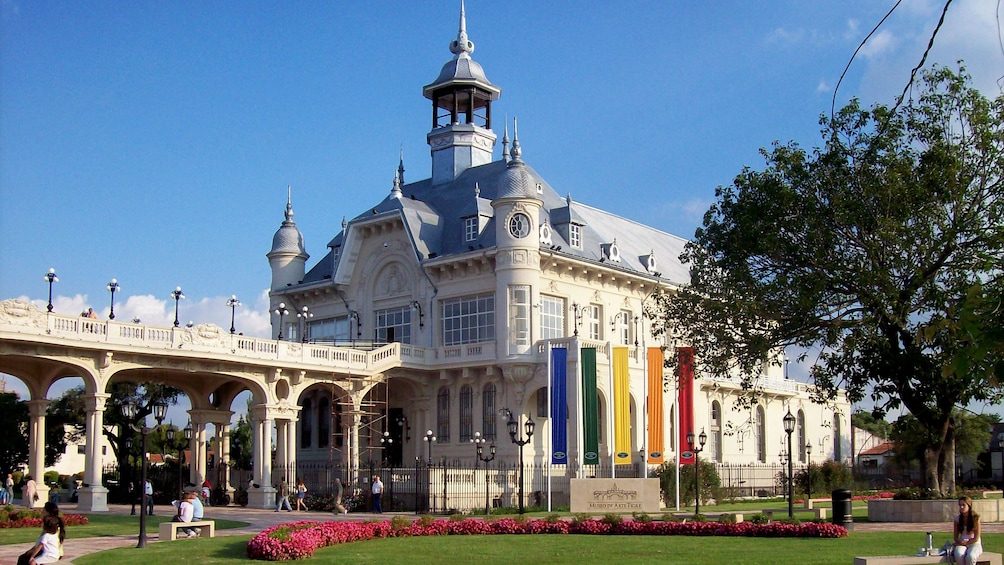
519 225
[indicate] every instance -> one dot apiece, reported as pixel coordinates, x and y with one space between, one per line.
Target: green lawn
102 525
558 549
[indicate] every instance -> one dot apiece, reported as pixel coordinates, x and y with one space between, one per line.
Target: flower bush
299 540
24 518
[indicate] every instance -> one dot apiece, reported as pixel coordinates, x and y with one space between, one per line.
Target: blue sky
153 142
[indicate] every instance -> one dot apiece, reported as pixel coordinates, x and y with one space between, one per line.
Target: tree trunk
948 464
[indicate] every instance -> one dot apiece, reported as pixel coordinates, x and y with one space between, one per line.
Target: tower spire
505 141
462 46
517 151
289 203
400 165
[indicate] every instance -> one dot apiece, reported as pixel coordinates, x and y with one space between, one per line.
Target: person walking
338 491
301 495
8 490
377 491
30 493
148 498
283 501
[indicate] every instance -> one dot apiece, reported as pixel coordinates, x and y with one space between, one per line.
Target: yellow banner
656 428
622 408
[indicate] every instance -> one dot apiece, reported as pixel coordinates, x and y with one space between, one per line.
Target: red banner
685 401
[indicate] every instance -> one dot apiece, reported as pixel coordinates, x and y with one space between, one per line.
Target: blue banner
559 407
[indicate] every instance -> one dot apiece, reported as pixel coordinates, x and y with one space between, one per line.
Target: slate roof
434 218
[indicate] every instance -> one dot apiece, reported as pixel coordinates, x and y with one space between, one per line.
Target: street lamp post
113 287
516 435
303 315
181 452
233 303
808 470
281 312
129 412
479 445
177 295
697 449
789 427
50 278
429 439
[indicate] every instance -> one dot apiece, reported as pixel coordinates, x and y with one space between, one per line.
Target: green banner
590 409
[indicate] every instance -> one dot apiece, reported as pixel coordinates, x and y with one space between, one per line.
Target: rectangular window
82 449
552 317
595 322
466 413
488 413
471 229
330 330
394 325
622 328
519 315
542 410
575 235
470 319
443 415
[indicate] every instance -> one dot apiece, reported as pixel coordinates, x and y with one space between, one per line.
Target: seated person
46 549
185 513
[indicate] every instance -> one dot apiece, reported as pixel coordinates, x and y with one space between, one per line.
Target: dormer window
612 251
649 262
575 236
471 229
545 233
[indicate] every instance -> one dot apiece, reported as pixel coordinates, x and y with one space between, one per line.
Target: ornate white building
475 271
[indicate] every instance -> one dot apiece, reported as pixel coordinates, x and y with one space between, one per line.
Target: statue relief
392 281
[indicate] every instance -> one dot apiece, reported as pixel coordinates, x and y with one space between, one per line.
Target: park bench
819 513
169 530
987 558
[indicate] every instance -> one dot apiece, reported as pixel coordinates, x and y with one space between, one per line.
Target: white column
94 496
36 449
224 459
291 450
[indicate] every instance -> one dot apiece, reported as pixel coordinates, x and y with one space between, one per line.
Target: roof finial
477 190
505 141
289 203
344 223
568 198
462 46
516 150
400 165
396 191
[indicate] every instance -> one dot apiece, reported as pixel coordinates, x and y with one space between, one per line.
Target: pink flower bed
298 540
33 519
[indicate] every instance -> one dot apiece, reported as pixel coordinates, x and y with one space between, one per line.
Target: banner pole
611 404
550 435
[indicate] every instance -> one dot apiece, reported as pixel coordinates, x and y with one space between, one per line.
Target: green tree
972 436
710 482
14 429
70 409
867 421
883 249
240 443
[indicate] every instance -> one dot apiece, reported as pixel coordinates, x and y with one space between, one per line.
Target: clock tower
517 261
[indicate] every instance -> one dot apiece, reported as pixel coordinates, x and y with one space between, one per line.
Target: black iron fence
443 487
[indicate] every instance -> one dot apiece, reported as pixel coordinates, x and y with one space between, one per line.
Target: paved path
258 520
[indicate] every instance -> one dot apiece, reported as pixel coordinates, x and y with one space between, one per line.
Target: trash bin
841 499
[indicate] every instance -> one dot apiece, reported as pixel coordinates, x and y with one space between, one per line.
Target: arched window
836 438
443 415
715 453
466 413
761 435
488 416
323 422
306 424
800 437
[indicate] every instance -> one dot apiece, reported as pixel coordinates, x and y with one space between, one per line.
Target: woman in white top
186 512
968 545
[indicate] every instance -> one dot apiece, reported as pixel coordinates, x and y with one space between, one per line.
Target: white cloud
823 86
879 45
781 35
